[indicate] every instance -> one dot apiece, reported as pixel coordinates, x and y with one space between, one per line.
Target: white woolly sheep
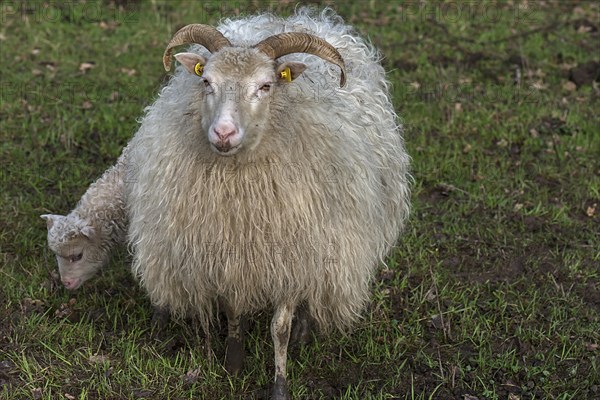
84 239
255 185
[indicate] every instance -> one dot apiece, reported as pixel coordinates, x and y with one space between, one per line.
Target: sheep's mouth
225 149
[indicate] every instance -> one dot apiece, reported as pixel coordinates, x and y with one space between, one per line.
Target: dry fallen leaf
591 210
569 86
129 72
32 304
192 376
430 296
567 66
584 29
87 105
86 66
98 358
69 396
502 143
36 393
578 11
437 321
108 26
467 148
387 274
66 309
538 85
534 133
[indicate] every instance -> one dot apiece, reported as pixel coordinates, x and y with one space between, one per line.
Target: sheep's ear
193 62
89 232
288 71
50 219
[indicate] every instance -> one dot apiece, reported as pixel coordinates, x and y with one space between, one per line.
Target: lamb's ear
193 62
89 232
288 71
50 219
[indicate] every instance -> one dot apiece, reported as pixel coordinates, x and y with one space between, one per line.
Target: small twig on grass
454 40
546 28
447 187
440 362
445 329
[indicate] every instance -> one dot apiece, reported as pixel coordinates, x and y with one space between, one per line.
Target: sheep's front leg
234 353
160 318
280 332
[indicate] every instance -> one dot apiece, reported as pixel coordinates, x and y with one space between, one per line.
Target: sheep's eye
265 88
75 257
208 89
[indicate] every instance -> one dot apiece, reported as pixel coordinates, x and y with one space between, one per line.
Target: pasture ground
493 291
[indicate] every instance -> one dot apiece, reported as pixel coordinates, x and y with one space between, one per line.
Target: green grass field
493 291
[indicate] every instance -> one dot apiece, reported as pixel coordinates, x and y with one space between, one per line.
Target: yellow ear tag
286 74
198 69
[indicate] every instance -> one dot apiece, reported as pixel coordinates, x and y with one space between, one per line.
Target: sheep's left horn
204 35
295 42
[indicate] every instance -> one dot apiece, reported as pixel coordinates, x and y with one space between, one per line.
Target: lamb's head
239 82
76 245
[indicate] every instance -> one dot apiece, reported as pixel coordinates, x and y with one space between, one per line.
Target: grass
493 292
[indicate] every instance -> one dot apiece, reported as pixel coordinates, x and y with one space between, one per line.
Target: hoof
280 389
234 356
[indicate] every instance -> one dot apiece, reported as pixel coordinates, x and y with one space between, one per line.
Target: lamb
84 239
256 183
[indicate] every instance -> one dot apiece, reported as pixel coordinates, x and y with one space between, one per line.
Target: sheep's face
73 241
237 85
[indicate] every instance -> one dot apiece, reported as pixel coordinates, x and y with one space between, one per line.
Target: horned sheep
257 182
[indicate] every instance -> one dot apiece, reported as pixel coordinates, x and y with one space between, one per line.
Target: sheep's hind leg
280 332
235 352
302 326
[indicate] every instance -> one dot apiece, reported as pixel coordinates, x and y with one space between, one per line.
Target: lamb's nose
70 283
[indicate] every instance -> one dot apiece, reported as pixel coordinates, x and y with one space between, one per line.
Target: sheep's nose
224 131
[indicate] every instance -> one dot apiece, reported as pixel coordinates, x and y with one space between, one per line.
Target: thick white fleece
303 218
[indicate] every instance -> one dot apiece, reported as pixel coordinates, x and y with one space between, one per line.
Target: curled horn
295 42
204 35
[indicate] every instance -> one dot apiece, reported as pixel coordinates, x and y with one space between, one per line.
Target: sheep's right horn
204 35
296 42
